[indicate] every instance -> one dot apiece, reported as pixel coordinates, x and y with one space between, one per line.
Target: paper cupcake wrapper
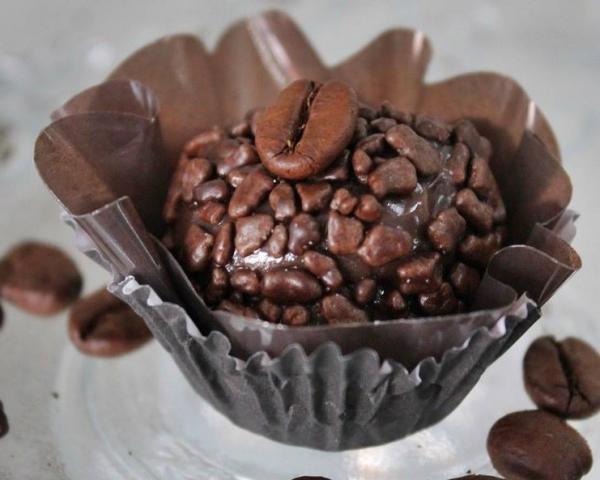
107 158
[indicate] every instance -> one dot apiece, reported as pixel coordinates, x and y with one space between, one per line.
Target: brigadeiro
321 210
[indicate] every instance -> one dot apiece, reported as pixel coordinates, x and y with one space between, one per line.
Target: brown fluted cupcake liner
107 157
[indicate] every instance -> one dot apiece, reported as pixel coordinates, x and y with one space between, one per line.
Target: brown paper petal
255 58
391 67
177 69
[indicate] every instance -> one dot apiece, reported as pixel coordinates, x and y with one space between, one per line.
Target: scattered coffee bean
396 176
314 196
536 444
344 235
290 286
4 427
338 309
252 232
295 316
303 233
101 325
421 153
563 377
306 128
446 230
281 200
383 244
39 278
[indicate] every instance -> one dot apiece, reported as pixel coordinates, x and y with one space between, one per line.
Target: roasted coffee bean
307 128
388 110
39 278
465 280
383 244
457 164
269 311
197 248
343 201
368 209
420 274
290 286
277 242
238 175
4 427
338 171
373 144
344 234
101 325
446 230
362 163
324 268
213 190
420 152
197 146
223 247
282 202
395 301
236 308
295 316
478 250
314 196
477 214
242 155
383 124
440 302
241 129
562 377
252 232
433 129
195 171
210 212
396 176
245 281
250 193
364 291
303 233
338 309
537 445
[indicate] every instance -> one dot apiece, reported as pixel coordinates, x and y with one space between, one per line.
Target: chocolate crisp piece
323 210
39 278
563 377
101 325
